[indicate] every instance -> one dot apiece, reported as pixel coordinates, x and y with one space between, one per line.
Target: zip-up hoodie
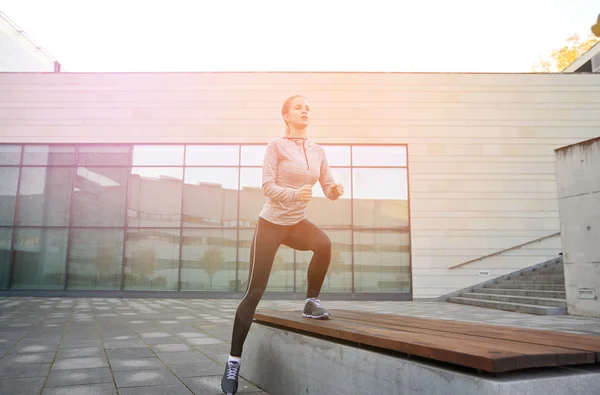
289 164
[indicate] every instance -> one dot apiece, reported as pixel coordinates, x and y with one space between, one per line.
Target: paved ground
103 346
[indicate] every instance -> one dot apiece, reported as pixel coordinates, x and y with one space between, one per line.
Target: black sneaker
229 382
314 309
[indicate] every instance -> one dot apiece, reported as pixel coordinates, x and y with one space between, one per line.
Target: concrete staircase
538 290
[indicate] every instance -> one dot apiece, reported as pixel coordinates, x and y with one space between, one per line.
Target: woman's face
299 113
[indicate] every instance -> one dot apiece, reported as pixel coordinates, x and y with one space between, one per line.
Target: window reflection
208 260
282 271
380 197
154 197
337 155
328 213
8 194
10 154
339 275
45 196
95 257
212 155
152 259
364 155
99 196
39 258
252 198
5 244
381 261
103 155
210 197
157 155
253 155
49 155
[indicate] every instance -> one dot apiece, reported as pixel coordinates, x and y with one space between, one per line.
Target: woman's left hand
338 190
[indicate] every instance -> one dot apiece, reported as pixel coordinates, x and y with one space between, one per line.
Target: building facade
150 182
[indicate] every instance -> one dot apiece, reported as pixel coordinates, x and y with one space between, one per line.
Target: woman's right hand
305 193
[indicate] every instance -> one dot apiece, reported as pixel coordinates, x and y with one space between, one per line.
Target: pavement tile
118 364
211 385
204 368
21 386
124 353
24 370
164 348
60 378
173 389
93 389
80 363
145 378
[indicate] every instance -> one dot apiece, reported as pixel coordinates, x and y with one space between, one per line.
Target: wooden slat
470 350
533 336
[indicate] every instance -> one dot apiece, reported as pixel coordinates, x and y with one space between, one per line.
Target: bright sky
308 35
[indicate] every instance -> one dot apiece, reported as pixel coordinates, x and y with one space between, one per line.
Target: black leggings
304 236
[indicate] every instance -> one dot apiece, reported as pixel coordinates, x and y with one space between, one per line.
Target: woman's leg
306 236
267 239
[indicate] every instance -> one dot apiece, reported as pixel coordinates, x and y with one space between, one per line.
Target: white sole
317 317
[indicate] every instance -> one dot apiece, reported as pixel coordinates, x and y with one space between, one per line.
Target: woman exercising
292 165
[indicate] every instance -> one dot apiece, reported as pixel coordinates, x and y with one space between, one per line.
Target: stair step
530 280
536 275
523 292
507 306
517 299
546 287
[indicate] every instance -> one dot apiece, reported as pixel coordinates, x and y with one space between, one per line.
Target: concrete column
578 182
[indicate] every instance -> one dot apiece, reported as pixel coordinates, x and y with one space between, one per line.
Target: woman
292 165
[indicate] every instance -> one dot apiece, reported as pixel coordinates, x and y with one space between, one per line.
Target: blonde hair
285 108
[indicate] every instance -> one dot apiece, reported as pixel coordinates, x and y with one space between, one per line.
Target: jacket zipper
305 156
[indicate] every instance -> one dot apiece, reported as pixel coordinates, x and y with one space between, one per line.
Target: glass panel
253 155
252 198
389 155
380 197
339 274
45 196
9 177
95 257
208 260
10 154
281 278
210 196
158 155
152 259
99 196
337 155
381 261
212 155
49 155
244 244
332 213
40 257
103 155
5 241
155 197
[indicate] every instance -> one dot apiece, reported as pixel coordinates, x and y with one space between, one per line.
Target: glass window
99 196
95 257
253 155
380 197
381 261
152 259
40 257
252 198
49 155
208 260
5 244
212 155
103 155
337 155
281 278
155 197
45 196
9 177
157 155
390 155
328 213
210 196
339 274
10 154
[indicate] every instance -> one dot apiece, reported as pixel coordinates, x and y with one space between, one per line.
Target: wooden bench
487 348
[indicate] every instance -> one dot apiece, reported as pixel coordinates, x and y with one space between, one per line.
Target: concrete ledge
284 362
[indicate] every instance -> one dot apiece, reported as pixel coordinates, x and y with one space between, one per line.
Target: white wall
481 146
578 179
18 52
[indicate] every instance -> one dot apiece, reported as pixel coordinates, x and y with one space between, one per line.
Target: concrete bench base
284 362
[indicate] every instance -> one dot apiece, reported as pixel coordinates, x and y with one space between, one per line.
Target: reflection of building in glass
88 221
